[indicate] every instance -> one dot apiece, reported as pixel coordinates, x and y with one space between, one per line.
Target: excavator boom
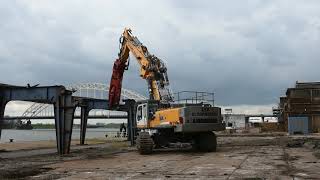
152 69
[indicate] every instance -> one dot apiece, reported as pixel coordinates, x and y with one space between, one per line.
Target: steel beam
130 108
64 113
44 94
83 123
56 95
64 107
87 104
3 103
2 109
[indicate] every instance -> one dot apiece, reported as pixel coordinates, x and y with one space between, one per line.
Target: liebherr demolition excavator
161 121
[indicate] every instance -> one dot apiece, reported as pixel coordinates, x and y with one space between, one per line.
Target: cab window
139 113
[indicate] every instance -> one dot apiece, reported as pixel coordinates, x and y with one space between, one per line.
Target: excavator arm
152 69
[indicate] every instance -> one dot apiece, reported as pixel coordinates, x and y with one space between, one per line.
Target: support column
129 126
131 121
83 123
64 114
2 109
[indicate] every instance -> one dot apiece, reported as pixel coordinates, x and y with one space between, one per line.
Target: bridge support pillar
83 123
87 104
2 109
130 105
61 98
64 114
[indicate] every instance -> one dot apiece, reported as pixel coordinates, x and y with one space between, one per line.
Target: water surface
50 134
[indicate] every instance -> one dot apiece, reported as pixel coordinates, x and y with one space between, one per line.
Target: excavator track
144 143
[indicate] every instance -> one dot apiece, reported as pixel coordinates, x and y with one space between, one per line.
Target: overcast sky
247 52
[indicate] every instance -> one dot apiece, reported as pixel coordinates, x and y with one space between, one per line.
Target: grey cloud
248 52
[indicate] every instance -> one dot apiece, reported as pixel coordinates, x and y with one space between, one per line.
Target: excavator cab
142 115
145 113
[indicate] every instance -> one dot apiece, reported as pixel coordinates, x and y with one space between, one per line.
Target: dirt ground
27 145
238 157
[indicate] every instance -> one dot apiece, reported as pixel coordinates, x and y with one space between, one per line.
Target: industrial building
235 121
300 108
253 122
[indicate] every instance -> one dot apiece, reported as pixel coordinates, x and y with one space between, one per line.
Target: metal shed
298 124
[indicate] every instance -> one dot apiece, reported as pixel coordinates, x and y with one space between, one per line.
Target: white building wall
237 120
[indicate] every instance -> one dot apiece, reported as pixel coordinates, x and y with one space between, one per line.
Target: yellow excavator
164 121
